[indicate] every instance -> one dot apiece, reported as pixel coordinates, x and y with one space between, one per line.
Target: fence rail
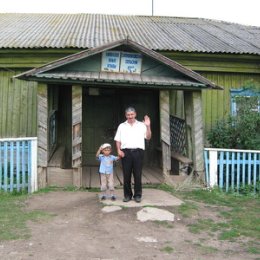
232 169
18 164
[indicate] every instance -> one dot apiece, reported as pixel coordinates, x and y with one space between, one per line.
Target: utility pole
152 7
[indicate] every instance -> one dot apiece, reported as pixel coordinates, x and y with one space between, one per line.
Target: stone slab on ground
112 208
154 214
151 197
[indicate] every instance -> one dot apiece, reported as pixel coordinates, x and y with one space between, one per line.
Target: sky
237 11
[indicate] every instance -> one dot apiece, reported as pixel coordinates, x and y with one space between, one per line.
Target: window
242 99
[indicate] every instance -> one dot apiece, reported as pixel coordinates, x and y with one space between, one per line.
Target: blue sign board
110 61
131 62
126 62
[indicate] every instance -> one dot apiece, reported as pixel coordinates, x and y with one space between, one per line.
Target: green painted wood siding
17 106
216 103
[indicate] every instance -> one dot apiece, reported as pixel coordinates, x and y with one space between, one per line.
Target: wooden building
65 95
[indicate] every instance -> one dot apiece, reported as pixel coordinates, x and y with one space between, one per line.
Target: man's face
130 116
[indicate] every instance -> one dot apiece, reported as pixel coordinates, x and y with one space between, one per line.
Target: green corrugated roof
157 33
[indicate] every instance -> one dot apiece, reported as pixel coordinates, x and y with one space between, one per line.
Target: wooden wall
17 106
18 98
216 103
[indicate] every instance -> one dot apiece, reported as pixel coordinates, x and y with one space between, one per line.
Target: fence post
213 168
34 179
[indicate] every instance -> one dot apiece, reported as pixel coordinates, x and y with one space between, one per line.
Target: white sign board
110 61
130 62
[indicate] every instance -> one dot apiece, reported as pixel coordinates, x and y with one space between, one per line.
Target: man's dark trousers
132 163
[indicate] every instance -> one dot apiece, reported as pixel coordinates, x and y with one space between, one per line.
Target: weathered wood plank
86 177
76 126
181 158
155 175
145 178
57 158
42 115
193 110
95 178
77 176
165 131
59 177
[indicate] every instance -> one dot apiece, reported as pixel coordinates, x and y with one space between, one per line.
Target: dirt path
80 230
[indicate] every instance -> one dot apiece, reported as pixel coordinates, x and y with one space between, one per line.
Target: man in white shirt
130 143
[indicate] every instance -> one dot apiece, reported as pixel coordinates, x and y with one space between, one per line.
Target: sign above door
118 61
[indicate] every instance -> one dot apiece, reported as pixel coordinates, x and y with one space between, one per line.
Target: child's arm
98 152
117 158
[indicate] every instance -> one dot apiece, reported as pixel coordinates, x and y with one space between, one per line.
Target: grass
205 250
167 249
165 224
238 214
188 209
13 219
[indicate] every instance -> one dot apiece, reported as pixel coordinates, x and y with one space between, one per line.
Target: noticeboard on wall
110 61
117 61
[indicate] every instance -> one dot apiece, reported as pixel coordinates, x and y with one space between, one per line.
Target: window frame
242 92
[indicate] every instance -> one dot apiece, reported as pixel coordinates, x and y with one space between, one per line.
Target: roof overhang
188 79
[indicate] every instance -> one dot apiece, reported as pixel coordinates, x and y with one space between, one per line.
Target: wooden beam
77 135
42 134
193 112
165 132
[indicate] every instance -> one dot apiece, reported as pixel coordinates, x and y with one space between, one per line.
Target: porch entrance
102 112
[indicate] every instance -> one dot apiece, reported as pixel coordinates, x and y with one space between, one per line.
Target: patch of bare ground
78 229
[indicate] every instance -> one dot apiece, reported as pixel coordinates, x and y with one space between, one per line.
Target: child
106 171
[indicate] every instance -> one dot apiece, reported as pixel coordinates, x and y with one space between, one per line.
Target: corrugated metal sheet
157 33
122 78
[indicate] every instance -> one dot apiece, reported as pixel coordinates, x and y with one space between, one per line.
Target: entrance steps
59 177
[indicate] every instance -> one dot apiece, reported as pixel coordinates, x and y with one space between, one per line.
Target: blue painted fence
18 164
231 169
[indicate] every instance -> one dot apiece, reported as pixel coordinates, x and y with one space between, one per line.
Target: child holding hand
106 171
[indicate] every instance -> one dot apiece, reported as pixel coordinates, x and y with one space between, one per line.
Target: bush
241 131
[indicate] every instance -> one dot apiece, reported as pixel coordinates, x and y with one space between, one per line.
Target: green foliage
13 218
205 250
249 190
239 216
165 224
167 249
188 209
241 131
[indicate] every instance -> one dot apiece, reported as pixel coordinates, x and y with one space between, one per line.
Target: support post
42 134
77 135
34 177
213 168
193 113
165 132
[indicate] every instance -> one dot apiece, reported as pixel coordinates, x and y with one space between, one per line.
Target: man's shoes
113 197
138 199
126 199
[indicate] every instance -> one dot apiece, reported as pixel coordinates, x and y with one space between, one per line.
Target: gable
154 70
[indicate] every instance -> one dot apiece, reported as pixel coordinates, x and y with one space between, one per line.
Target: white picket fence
18 164
232 169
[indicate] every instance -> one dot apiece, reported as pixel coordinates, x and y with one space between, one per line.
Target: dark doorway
103 111
59 122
